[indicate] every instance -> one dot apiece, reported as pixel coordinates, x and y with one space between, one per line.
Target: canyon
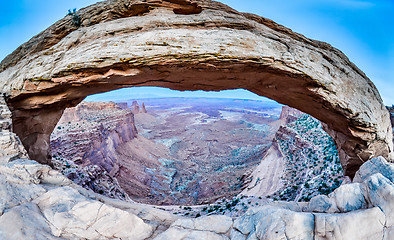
187 151
156 43
191 45
193 151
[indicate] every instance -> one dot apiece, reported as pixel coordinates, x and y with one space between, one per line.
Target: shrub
76 20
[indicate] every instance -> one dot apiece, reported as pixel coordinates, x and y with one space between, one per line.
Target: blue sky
362 29
158 92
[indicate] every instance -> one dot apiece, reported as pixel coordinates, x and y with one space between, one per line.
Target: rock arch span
190 45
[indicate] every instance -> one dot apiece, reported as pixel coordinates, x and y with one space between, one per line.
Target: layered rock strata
95 144
301 163
10 145
190 45
90 134
135 107
189 151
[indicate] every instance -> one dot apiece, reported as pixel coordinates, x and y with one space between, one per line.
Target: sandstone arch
190 45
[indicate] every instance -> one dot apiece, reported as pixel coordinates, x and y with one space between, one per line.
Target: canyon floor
187 151
219 155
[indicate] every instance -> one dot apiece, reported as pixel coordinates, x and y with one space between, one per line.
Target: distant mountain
242 104
158 92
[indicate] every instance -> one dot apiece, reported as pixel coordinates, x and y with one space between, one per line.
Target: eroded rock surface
301 163
10 145
190 45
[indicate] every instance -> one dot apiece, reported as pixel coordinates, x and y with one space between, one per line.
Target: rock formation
301 163
97 129
289 114
391 110
135 107
10 145
91 177
190 45
186 45
95 144
143 109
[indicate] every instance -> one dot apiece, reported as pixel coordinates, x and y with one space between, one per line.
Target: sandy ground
267 176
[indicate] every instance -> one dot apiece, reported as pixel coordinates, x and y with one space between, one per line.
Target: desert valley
196 151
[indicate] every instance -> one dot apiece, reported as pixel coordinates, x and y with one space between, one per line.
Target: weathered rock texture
90 133
391 111
190 45
301 163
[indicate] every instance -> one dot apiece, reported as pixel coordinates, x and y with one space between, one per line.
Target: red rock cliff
97 129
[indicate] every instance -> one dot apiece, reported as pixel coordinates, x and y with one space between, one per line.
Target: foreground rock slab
361 224
273 223
72 215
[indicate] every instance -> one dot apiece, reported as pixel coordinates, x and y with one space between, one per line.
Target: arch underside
212 49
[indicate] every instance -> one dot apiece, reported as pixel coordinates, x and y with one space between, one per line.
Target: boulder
24 171
363 224
5 116
236 235
349 197
381 194
388 233
16 193
208 227
25 222
11 147
19 182
274 223
375 165
293 206
73 215
322 204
